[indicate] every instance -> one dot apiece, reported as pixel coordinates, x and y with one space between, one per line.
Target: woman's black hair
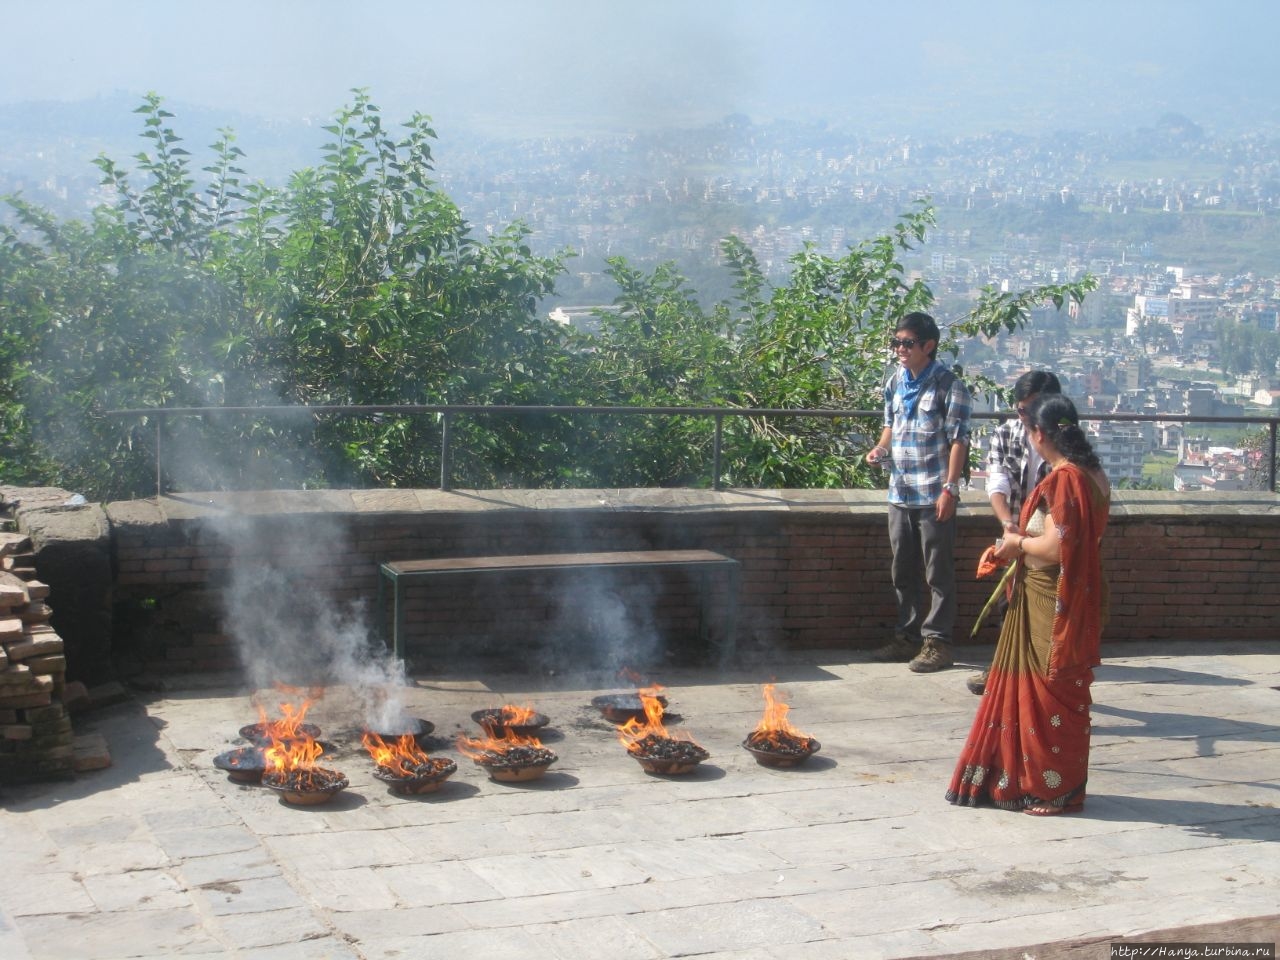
1055 416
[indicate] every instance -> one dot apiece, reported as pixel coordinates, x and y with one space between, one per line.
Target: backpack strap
943 382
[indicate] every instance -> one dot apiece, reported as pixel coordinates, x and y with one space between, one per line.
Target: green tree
357 282
817 341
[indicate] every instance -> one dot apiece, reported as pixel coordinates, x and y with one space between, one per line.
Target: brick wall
814 568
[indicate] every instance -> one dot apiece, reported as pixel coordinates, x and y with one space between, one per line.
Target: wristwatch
952 488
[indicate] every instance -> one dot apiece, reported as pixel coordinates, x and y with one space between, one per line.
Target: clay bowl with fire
242 764
667 755
522 721
509 758
404 766
305 787
293 770
621 707
780 750
654 748
775 742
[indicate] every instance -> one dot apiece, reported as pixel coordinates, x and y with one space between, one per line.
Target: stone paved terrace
853 855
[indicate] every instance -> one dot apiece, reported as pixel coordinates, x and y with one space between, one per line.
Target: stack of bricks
36 740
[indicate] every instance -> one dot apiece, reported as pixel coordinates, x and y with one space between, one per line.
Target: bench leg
729 644
381 608
724 645
704 604
397 638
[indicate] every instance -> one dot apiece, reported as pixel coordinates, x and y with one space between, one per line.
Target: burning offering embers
243 764
305 787
405 767
657 750
290 758
621 707
288 728
775 742
523 721
667 755
261 734
509 758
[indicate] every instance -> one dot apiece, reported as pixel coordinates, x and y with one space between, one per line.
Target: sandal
1042 810
1049 810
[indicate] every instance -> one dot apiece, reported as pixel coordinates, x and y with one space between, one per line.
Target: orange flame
291 754
510 715
635 730
402 757
290 747
481 748
774 727
289 724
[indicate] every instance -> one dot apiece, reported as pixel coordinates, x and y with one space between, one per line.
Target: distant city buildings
1013 212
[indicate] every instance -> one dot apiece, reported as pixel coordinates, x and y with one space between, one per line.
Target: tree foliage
817 342
1244 348
355 283
359 282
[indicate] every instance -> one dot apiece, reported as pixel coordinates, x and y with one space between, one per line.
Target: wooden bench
401 572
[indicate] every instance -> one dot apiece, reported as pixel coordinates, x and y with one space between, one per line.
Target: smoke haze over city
570 66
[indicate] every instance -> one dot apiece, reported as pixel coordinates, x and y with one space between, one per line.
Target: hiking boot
934 655
897 650
977 683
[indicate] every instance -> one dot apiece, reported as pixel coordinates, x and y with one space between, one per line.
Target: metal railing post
1271 456
715 456
159 458
446 465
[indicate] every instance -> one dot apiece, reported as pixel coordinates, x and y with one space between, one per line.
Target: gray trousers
923 546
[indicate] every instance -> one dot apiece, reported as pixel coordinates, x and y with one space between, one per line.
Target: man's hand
945 507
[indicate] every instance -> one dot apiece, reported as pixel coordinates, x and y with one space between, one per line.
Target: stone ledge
1170 505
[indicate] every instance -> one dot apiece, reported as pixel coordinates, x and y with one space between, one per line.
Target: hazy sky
529 64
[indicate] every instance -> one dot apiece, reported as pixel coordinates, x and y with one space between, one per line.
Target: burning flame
774 729
635 730
291 750
288 727
289 755
402 757
486 747
510 715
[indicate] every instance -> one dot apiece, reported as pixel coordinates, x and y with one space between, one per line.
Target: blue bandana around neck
911 386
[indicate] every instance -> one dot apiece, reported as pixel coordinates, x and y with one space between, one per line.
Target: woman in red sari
1028 748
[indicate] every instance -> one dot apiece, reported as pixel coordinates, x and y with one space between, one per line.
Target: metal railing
449 412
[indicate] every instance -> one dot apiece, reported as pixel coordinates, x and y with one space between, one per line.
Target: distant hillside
63 137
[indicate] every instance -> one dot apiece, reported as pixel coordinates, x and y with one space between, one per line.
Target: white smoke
282 609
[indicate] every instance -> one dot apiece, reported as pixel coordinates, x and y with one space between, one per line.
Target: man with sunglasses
1014 467
926 435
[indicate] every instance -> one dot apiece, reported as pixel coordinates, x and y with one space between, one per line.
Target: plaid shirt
922 440
1008 464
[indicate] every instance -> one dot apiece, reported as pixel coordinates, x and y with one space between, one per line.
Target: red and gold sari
1029 743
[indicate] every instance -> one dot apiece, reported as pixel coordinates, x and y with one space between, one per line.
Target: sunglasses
1021 409
896 344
